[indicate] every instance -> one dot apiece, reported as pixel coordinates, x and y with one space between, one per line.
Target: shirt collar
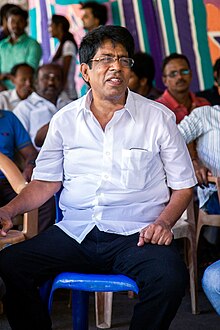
129 105
21 38
172 101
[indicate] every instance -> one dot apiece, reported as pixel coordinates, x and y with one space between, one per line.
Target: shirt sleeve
34 54
176 159
49 163
69 49
21 136
191 127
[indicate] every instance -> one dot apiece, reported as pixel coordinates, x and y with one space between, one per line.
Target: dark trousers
46 213
158 270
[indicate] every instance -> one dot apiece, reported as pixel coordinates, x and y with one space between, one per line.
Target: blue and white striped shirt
203 125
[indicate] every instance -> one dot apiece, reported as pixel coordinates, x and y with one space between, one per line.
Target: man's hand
5 222
156 233
201 172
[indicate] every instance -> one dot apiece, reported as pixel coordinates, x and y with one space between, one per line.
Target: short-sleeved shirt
26 49
117 179
36 111
9 99
179 109
13 135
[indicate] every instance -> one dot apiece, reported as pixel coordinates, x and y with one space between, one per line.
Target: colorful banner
159 27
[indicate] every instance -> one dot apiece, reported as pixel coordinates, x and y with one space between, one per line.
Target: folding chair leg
103 307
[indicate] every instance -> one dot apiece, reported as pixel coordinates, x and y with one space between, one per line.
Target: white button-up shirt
203 125
117 179
36 111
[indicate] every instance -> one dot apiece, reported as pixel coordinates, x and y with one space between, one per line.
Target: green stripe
144 28
33 23
115 13
199 12
169 26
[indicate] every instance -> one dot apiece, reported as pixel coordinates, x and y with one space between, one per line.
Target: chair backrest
17 182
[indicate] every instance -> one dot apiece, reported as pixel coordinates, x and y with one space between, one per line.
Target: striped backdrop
159 27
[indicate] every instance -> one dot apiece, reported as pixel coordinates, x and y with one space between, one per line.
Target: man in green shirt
18 47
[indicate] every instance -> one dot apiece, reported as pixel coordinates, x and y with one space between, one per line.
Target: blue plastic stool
81 285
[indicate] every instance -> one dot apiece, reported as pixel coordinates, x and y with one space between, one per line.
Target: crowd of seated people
34 93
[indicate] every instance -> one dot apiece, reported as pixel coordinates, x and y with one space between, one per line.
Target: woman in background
66 51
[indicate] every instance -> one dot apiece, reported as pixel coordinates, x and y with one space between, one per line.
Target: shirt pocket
136 167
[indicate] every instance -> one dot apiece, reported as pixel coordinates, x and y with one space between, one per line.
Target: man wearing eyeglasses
177 76
118 156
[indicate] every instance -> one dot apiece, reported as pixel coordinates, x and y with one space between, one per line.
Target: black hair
15 10
63 21
19 65
144 67
174 56
99 11
94 39
4 9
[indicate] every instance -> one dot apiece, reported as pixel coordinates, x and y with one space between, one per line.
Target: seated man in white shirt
22 76
48 98
127 177
203 125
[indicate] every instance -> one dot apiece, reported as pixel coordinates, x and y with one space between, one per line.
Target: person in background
177 76
114 221
211 284
18 47
14 141
203 125
4 33
22 76
212 94
48 97
94 14
142 76
65 54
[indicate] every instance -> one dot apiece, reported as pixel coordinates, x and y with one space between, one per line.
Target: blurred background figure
48 97
94 14
177 77
18 47
22 76
4 33
212 94
66 51
142 76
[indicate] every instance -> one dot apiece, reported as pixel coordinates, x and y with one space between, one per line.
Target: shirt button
106 176
107 153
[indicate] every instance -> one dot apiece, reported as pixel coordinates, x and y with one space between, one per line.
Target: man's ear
143 81
164 79
84 69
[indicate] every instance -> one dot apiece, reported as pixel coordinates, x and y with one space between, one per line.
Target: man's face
108 81
16 25
49 82
89 21
23 82
177 76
